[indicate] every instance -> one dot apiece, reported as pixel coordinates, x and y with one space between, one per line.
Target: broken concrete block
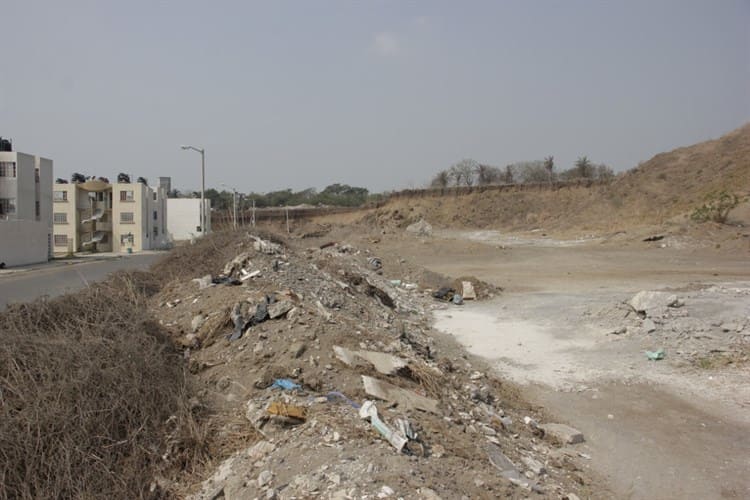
280 308
645 301
403 397
386 364
468 290
563 433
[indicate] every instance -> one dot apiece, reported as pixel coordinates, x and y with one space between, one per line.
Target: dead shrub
87 385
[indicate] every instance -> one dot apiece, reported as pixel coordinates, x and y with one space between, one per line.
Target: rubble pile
692 326
322 377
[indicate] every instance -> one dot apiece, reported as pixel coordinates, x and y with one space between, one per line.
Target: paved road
62 278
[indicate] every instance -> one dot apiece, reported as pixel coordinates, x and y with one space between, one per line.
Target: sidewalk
77 258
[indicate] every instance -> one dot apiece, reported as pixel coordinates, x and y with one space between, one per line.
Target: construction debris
389 392
383 363
306 325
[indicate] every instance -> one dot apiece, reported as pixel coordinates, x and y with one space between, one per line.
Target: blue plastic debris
285 384
334 395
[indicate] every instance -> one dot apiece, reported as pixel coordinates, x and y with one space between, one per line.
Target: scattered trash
445 293
656 237
457 299
265 246
370 411
285 384
286 410
655 355
403 397
225 280
244 276
334 395
405 429
375 263
467 289
395 282
203 282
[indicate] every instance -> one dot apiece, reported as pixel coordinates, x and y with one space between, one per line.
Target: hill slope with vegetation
669 185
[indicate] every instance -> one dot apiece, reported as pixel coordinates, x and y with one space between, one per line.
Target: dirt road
677 428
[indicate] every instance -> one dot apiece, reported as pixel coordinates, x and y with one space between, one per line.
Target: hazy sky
380 94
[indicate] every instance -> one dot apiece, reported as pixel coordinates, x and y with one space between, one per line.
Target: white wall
23 242
183 217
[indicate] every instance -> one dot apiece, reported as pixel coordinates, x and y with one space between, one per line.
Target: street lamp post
203 185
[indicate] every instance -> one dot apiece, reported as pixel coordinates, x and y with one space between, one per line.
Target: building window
7 206
7 169
154 195
60 218
37 209
155 215
126 195
61 240
60 196
156 232
127 218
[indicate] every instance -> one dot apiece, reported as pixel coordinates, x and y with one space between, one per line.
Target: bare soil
674 428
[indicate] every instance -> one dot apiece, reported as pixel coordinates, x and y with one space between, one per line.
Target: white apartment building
25 207
109 217
184 219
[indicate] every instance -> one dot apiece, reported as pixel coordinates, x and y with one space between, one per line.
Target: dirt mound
291 343
669 185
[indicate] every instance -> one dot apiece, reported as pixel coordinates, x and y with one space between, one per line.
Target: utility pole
253 219
234 199
287 219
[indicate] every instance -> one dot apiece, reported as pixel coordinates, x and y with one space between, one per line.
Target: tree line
342 195
468 172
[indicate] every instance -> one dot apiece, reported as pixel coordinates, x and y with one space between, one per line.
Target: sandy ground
666 429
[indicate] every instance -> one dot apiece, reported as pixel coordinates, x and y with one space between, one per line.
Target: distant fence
223 218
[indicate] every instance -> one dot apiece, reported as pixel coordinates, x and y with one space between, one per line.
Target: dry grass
87 385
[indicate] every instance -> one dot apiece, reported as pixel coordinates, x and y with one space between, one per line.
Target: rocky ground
319 375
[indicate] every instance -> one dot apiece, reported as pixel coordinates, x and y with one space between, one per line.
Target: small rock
476 375
572 496
271 494
563 433
648 325
428 493
297 349
385 492
644 301
223 383
438 451
265 478
534 465
197 322
280 308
